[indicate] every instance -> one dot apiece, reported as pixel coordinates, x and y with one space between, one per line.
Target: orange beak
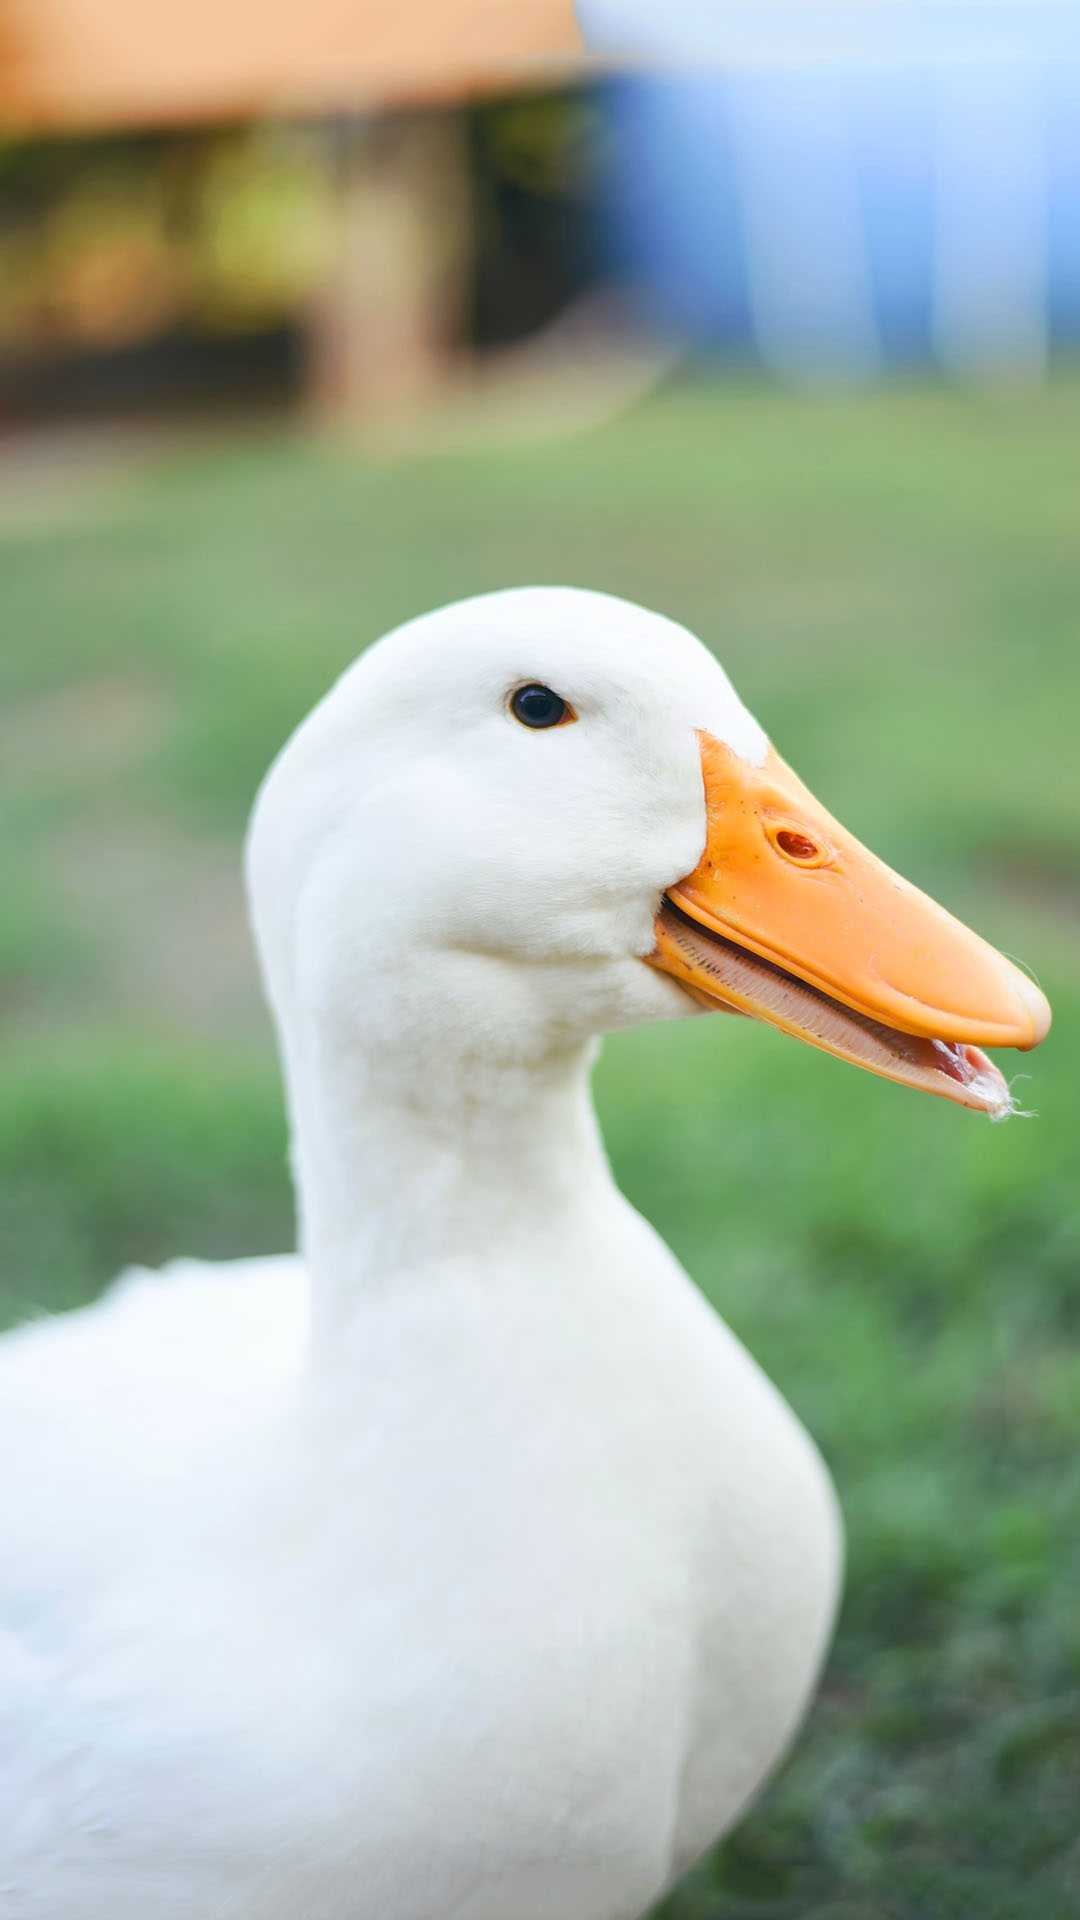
787 917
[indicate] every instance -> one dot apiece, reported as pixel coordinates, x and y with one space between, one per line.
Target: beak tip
1033 1014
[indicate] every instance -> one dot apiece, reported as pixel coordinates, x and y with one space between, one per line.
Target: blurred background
785 348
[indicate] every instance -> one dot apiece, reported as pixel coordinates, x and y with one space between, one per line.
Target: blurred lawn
894 583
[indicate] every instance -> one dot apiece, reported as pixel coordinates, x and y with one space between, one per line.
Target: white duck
464 1567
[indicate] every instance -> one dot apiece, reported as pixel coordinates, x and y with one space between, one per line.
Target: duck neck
405 1164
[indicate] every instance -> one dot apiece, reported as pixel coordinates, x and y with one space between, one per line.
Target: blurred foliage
894 582
105 242
546 143
110 241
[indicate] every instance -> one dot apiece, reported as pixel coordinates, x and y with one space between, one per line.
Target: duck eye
537 706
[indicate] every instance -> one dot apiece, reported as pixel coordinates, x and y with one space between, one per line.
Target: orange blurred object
99 63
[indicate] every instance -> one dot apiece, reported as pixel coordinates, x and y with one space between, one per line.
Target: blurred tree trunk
389 322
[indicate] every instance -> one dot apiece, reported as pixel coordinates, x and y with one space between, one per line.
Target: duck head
540 814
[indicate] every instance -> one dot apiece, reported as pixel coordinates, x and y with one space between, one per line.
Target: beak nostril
797 846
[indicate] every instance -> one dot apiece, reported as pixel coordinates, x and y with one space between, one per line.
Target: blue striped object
833 206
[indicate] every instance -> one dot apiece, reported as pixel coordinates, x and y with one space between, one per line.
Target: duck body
504 1619
462 1566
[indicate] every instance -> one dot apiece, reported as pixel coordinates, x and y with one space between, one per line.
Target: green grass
894 583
